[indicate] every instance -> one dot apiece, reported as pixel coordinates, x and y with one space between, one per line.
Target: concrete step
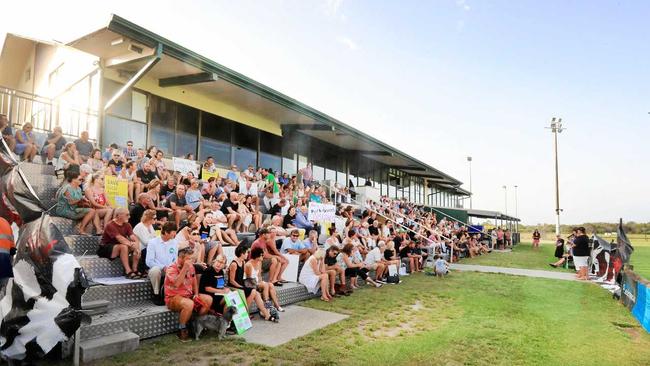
101 347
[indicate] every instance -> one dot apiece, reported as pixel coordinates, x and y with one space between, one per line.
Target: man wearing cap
7 249
182 291
161 253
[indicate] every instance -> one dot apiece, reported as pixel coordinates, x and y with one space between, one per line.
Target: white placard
184 166
291 272
321 212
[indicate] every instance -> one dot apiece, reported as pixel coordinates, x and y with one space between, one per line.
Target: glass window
270 161
302 161
245 136
330 175
163 120
215 139
244 157
341 179
187 128
122 106
270 143
319 172
138 106
289 165
118 130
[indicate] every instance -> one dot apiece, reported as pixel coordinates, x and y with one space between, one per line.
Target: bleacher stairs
122 314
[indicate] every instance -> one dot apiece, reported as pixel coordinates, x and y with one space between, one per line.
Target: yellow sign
205 175
117 191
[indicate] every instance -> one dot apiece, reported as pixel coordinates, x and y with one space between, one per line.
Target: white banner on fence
184 166
321 212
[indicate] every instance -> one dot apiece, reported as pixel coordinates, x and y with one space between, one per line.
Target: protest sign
241 319
205 175
117 191
321 212
184 166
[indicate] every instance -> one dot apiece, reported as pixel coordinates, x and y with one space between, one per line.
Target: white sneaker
378 285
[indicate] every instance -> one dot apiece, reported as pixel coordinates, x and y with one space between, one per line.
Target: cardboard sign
205 175
321 212
184 166
241 318
117 191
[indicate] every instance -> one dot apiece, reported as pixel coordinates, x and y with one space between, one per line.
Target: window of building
163 124
270 151
215 139
118 130
187 128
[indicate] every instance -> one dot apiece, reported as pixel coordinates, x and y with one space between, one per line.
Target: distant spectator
69 158
7 132
277 208
287 222
536 237
160 253
209 166
117 161
145 231
129 174
129 152
118 240
441 266
53 145
26 143
95 160
230 208
145 176
182 292
193 195
108 152
307 175
71 203
84 146
159 165
233 173
178 205
96 195
581 252
316 277
143 203
301 221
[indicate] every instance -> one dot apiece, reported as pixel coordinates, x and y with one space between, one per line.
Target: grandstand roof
204 76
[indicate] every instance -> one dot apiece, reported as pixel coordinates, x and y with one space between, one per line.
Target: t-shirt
373 256
404 252
388 254
581 248
212 278
118 163
290 244
260 243
136 214
193 198
271 179
7 131
185 289
276 209
147 177
112 230
59 144
179 201
85 148
373 230
440 265
330 261
166 191
228 203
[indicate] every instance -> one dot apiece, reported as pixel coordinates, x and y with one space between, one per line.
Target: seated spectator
143 203
161 252
179 207
96 195
351 266
7 250
277 208
441 266
193 196
284 179
69 158
253 279
334 238
182 292
190 236
26 143
233 173
213 283
251 205
71 203
108 152
150 154
245 214
84 147
7 132
311 242
273 262
145 232
129 175
159 165
332 264
316 277
168 188
209 189
209 165
53 145
301 221
215 218
118 240
145 176
95 160
293 245
287 221
236 281
230 208
375 261
409 256
129 152
116 162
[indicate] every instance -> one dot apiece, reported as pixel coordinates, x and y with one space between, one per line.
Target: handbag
250 283
393 276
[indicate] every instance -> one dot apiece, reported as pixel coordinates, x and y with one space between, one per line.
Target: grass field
465 319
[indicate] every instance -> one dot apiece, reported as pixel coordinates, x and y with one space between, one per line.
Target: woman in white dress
313 273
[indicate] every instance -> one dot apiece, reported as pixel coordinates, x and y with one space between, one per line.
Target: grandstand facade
124 82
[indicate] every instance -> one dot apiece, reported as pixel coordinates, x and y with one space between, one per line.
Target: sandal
132 276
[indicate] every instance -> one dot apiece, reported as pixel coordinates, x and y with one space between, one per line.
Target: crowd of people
175 227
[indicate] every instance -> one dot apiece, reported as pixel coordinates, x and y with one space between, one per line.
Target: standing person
536 237
182 292
7 250
500 238
307 175
581 252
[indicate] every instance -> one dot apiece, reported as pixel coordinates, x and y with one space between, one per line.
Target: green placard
241 319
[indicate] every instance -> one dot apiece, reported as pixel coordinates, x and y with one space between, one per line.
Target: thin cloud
332 6
462 4
347 42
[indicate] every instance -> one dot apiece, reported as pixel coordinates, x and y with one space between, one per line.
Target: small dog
213 322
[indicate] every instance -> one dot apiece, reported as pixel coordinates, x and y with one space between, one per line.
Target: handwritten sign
321 212
185 166
205 175
241 319
117 191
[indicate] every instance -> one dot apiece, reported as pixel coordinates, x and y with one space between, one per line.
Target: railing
45 113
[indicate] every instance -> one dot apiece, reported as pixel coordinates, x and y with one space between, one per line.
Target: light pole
471 193
556 127
516 208
505 195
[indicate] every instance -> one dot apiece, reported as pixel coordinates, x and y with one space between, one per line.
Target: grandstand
124 83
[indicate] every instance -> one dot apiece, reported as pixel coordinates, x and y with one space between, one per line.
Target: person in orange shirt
7 249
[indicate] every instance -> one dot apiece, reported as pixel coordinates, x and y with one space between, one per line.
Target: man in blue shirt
293 245
233 174
301 221
161 252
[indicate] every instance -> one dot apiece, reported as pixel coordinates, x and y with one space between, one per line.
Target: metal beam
202 77
373 152
138 75
129 58
306 127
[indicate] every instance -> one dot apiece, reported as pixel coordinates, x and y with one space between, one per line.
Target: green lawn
522 256
465 319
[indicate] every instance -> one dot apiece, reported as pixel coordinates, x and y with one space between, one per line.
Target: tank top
100 198
239 274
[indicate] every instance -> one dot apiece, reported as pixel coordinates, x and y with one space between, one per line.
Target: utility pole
471 193
505 195
516 208
556 127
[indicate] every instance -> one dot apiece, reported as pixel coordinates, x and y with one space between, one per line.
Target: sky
440 80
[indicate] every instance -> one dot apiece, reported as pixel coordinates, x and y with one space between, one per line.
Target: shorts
580 261
372 267
266 264
106 251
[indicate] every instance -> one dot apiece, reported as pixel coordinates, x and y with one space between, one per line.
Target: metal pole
505 194
516 203
556 127
471 193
